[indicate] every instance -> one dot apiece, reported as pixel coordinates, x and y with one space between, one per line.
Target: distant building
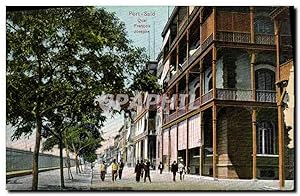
145 128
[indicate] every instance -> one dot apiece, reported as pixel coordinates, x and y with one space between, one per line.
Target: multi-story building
144 122
219 67
128 142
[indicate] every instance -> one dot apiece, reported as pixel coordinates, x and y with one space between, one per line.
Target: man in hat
102 170
147 170
114 168
174 169
181 169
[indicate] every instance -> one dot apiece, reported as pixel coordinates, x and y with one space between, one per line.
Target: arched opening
265 79
266 138
210 86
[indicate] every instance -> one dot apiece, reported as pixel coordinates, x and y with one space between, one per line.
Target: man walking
181 169
147 171
102 170
174 169
114 168
137 171
160 167
142 168
121 166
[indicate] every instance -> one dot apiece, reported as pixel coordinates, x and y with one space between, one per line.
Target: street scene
85 182
150 98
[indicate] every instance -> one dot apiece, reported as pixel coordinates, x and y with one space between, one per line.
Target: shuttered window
194 132
166 142
266 138
182 135
265 79
173 140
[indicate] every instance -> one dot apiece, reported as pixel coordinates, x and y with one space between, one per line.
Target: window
210 86
265 79
263 25
266 138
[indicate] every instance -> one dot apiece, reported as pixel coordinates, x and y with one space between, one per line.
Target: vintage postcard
150 98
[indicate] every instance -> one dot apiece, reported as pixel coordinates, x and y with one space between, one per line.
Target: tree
59 57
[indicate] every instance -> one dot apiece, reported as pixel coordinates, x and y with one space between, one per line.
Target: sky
144 25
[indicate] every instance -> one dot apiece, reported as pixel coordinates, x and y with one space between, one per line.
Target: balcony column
187 144
200 81
177 99
254 145
162 145
187 91
214 70
200 28
169 148
253 85
215 23
279 109
177 59
252 38
187 46
201 143
214 134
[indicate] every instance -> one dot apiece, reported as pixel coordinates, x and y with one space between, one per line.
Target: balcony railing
172 116
286 40
206 42
194 104
233 37
266 96
181 111
234 94
207 96
224 94
265 39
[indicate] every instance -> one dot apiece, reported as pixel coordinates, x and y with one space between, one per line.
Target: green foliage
90 157
59 59
144 80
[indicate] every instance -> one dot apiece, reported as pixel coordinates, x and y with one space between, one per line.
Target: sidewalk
50 181
164 182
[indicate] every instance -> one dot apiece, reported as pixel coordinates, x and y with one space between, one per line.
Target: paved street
191 182
50 181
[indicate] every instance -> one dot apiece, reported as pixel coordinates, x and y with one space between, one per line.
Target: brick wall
234 143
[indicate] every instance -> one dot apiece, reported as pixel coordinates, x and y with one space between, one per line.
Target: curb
26 172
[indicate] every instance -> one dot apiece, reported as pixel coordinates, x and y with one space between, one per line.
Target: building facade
145 124
218 67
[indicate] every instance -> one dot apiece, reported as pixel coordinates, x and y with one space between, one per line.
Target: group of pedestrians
116 170
175 167
142 170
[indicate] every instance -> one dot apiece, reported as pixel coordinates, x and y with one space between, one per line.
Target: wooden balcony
233 37
207 42
207 97
234 94
194 104
224 94
286 40
265 39
266 96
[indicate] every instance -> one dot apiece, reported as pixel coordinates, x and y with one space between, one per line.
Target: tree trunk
80 164
61 163
76 164
70 176
35 158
